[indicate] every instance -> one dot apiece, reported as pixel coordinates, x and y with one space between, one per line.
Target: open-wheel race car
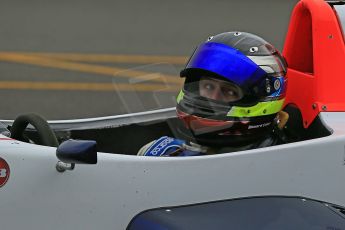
72 174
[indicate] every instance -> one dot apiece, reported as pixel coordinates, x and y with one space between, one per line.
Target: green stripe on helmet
180 96
260 109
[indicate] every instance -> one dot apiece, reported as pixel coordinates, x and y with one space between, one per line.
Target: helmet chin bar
218 133
218 140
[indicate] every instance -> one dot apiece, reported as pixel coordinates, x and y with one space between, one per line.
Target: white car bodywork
109 194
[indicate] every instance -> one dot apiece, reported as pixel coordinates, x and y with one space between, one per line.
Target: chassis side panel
108 195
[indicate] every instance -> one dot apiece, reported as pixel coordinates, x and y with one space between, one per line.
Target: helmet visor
225 62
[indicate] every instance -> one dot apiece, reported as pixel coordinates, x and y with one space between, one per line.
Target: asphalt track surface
78 59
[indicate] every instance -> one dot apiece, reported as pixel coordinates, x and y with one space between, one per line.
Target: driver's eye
229 92
209 87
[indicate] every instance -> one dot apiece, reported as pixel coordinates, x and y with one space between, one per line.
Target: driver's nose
216 94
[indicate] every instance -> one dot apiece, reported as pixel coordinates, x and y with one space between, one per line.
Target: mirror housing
77 152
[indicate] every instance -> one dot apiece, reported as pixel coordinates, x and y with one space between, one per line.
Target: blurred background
82 58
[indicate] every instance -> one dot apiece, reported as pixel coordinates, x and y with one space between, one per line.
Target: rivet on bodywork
324 108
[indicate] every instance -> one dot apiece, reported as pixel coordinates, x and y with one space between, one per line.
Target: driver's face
219 90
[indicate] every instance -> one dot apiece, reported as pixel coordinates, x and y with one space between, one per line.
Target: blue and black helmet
250 64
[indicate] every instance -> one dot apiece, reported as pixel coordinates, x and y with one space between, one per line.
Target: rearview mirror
76 152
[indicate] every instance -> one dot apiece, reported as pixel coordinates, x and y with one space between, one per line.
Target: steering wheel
45 133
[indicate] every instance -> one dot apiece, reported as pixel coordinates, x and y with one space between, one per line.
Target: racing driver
231 100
